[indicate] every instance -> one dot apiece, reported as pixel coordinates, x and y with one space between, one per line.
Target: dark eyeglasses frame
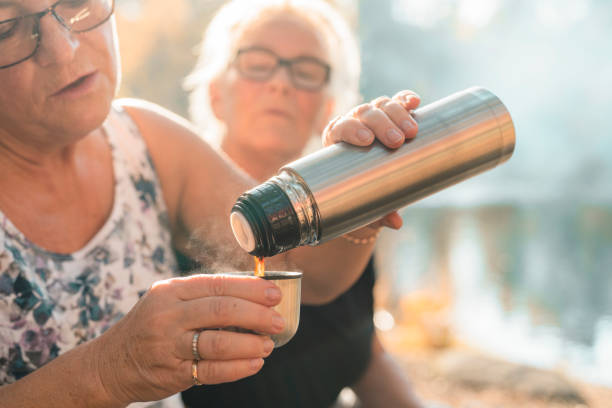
286 62
51 10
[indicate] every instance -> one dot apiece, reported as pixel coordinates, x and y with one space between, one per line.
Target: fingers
225 311
347 129
216 372
383 127
365 123
246 287
392 220
224 345
399 115
408 99
387 119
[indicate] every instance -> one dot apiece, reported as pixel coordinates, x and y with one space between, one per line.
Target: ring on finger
194 345
194 372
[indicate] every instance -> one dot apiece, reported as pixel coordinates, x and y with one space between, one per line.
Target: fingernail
273 294
256 363
407 125
268 346
363 135
394 136
278 323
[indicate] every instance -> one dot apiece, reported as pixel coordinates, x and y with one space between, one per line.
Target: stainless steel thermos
342 188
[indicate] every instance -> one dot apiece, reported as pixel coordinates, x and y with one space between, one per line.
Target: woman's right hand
148 355
388 120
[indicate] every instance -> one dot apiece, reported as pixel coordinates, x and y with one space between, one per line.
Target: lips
278 112
77 87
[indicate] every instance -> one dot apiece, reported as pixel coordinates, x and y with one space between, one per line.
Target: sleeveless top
52 302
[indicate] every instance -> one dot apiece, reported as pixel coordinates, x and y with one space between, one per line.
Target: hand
386 119
148 355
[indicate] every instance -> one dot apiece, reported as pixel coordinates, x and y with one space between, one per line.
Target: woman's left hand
387 119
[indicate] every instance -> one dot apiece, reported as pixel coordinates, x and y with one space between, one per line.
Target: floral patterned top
51 302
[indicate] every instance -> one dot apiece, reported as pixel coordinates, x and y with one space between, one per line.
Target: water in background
529 283
525 250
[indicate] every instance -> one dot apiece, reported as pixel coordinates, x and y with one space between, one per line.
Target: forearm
384 383
70 380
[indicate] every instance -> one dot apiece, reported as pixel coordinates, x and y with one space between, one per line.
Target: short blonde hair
225 29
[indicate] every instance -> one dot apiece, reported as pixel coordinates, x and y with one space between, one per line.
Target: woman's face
273 116
66 88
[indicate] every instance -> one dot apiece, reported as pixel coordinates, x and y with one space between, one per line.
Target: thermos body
459 136
342 187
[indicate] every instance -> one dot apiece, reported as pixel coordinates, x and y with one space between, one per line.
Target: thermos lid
242 231
264 222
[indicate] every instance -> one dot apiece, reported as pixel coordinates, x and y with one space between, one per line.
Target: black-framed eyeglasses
260 64
20 35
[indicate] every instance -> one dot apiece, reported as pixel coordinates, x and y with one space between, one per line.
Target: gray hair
219 43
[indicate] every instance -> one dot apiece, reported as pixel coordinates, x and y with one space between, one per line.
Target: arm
384 383
200 187
147 355
67 381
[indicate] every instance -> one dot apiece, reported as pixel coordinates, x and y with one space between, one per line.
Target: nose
57 44
281 80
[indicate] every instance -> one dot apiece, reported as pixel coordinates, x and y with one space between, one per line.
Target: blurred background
516 262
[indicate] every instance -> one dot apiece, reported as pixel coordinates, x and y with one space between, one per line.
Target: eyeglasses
20 35
260 64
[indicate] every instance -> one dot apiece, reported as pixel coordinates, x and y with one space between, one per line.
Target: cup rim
269 275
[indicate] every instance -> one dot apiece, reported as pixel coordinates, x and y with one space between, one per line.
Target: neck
35 162
259 165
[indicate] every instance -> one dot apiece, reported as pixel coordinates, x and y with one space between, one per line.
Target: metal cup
290 284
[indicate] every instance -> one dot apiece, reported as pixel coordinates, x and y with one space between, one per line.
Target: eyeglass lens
19 36
304 72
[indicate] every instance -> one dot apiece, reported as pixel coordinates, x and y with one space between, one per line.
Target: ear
216 101
325 116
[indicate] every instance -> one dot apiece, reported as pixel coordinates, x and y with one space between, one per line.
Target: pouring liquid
260 266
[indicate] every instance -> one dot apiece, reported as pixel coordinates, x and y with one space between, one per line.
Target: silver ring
194 345
194 372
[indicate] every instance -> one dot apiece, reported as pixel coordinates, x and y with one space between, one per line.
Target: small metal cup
290 284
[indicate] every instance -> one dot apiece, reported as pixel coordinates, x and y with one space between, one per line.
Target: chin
81 118
271 142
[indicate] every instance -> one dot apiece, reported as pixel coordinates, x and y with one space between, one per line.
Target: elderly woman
94 196
270 75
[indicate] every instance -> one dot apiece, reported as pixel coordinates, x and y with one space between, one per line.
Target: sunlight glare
561 13
383 320
477 13
421 13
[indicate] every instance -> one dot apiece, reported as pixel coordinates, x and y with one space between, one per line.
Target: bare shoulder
172 141
159 125
174 146
191 172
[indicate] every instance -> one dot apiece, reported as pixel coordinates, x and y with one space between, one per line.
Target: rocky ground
449 374
456 377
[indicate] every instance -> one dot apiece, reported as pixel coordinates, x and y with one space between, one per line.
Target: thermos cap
242 231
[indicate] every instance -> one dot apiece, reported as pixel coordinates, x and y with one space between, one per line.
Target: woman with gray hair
217 52
270 75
